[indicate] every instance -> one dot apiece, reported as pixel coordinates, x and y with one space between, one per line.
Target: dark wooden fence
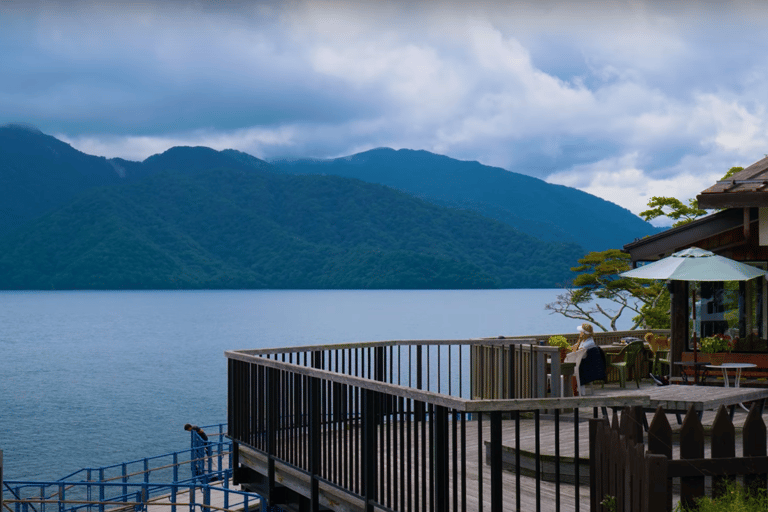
640 477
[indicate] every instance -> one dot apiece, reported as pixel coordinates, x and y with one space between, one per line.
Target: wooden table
678 399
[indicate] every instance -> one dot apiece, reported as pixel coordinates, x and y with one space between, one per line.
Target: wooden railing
384 425
640 478
491 363
601 338
513 369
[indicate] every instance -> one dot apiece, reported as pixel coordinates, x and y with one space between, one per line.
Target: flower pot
717 358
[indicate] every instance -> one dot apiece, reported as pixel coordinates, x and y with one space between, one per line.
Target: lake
92 378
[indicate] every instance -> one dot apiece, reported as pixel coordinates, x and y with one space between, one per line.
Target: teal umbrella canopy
694 264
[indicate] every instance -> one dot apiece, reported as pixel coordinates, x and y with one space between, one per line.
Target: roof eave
732 200
662 244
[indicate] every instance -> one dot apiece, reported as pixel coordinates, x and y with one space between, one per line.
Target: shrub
734 499
559 341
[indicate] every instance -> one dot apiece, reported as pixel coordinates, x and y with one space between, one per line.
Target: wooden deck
478 476
476 468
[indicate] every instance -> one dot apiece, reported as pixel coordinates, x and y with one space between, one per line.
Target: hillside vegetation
530 205
228 228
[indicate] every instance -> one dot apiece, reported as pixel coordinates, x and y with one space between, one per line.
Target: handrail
386 343
221 448
435 398
137 498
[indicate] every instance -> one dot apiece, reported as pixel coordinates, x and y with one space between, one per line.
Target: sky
621 99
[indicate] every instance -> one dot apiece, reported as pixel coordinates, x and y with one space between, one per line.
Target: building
739 230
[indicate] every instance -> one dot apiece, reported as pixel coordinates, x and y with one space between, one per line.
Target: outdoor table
732 366
678 399
696 365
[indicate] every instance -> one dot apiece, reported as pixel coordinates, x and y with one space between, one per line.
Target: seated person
592 366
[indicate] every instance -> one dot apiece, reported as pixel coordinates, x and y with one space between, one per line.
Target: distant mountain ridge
194 217
533 206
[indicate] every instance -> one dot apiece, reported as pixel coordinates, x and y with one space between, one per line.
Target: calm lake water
97 378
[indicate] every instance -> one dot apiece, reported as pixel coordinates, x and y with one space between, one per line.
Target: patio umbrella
694 264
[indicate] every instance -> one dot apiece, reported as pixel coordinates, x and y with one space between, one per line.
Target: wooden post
598 461
1 479
723 445
655 481
660 443
754 445
679 324
691 447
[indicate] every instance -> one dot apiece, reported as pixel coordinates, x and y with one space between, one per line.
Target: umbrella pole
695 350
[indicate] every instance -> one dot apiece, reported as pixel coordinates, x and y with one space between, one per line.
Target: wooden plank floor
478 476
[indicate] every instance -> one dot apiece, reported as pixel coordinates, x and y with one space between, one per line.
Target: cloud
622 181
623 99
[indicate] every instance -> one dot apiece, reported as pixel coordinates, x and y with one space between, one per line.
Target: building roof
744 189
660 245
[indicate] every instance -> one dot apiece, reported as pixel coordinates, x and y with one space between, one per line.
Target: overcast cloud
624 100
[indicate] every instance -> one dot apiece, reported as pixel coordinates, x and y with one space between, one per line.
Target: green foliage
599 279
717 343
732 498
558 341
609 503
228 228
674 209
731 172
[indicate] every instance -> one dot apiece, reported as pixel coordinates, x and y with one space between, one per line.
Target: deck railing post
1 480
272 406
496 469
369 448
314 448
419 356
594 501
440 458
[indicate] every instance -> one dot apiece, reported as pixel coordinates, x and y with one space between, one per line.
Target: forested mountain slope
235 228
540 209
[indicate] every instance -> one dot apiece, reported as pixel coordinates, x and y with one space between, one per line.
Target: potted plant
562 343
717 346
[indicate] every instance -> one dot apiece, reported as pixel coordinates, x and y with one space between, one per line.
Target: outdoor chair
660 361
576 357
628 358
660 348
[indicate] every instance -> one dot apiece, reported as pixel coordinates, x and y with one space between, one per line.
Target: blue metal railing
68 496
131 486
178 466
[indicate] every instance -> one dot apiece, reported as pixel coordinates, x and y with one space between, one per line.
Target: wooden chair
626 359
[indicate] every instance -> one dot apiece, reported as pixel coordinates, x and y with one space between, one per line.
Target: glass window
738 309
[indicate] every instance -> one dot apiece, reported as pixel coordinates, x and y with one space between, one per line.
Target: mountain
39 173
246 228
540 209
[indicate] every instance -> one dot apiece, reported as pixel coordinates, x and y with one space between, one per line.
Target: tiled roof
744 189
